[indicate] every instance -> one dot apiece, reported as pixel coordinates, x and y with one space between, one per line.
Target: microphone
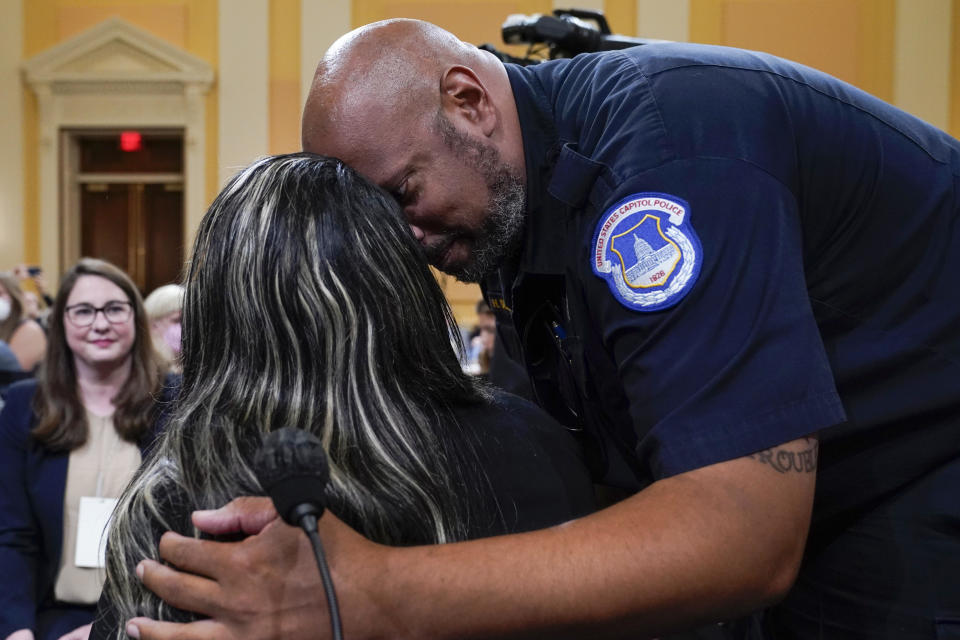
292 468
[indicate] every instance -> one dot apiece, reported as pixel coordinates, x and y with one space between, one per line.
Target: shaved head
432 120
394 62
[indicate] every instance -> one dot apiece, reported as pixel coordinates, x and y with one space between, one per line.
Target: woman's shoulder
534 465
30 329
165 399
170 388
20 394
516 431
511 411
17 416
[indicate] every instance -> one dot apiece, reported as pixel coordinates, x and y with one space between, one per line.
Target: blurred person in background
482 341
35 308
163 307
8 359
70 441
34 278
24 335
10 370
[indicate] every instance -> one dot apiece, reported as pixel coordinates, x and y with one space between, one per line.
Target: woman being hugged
310 305
69 442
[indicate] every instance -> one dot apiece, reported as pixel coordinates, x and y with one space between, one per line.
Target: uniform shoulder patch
647 251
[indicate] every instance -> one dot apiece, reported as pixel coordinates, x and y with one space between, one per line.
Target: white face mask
4 309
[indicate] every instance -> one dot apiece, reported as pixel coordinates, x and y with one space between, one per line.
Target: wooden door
104 222
136 226
131 206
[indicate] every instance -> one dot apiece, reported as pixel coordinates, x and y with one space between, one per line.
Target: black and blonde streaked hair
308 304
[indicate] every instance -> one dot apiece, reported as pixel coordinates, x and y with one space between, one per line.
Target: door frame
72 180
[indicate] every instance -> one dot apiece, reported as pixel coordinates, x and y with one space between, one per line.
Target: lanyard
104 451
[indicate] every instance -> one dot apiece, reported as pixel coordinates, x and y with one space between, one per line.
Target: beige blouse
103 453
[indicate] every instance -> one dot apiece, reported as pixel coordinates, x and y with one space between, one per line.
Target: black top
531 463
32 485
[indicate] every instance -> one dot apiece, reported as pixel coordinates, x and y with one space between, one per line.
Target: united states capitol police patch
647 251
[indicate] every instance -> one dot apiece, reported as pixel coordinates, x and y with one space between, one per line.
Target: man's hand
706 545
242 515
266 586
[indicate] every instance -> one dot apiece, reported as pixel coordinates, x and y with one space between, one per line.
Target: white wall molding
11 139
664 19
150 83
592 5
921 67
321 23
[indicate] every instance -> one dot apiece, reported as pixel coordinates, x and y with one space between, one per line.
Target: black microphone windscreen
292 468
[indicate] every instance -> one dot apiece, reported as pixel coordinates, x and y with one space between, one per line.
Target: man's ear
464 97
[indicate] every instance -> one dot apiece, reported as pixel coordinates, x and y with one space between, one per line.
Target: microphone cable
292 468
309 525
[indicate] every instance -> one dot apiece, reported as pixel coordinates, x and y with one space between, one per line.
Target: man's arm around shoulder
703 546
707 545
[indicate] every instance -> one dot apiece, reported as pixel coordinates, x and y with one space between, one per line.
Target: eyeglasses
83 314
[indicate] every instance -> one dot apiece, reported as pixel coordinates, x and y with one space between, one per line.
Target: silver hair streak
308 304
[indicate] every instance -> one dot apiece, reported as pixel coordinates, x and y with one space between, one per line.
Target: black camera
564 34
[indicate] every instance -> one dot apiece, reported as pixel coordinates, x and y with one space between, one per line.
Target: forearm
686 551
706 545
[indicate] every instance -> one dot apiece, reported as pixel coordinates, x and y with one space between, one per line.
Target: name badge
92 531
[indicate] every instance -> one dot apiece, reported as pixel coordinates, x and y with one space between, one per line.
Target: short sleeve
736 364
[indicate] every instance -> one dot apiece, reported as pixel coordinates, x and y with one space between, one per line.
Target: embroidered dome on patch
647 251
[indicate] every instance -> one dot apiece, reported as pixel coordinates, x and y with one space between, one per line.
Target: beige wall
244 81
11 136
321 24
264 52
921 74
899 50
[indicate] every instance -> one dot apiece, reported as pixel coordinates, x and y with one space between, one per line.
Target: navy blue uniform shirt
821 242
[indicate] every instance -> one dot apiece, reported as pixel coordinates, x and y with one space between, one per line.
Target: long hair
308 304
161 302
8 326
61 417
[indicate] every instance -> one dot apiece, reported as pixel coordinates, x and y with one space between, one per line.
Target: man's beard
499 237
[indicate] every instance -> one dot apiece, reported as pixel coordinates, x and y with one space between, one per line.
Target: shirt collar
544 242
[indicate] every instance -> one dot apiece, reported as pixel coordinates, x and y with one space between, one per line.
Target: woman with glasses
310 305
69 442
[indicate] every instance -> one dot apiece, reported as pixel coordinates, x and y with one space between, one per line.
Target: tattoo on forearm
786 461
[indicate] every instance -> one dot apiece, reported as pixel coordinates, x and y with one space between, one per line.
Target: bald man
708 260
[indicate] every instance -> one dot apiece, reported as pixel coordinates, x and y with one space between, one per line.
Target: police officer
709 260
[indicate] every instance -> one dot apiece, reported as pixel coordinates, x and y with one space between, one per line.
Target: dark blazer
32 485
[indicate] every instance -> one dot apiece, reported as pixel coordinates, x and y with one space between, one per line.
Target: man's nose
410 214
417 232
